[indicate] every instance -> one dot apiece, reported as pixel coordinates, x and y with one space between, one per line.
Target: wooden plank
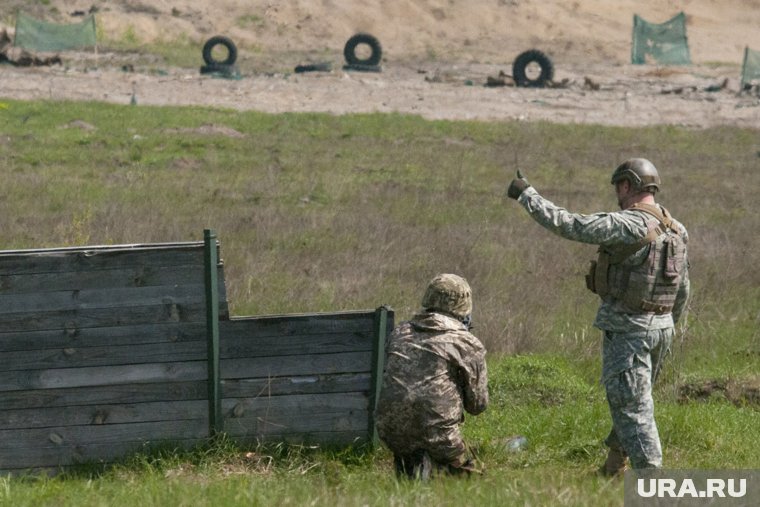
266 424
103 317
166 332
64 436
52 460
103 414
296 414
104 394
296 405
237 345
88 259
313 384
50 447
102 375
133 276
59 460
297 365
121 297
293 325
74 357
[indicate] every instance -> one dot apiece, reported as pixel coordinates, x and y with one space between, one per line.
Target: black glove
517 186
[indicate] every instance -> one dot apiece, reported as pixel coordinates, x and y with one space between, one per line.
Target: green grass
545 398
322 213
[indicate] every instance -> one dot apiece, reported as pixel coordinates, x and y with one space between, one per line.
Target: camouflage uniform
634 344
434 370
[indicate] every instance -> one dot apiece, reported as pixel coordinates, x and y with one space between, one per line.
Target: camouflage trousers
631 363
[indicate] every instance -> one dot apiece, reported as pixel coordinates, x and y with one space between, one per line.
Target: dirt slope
433 49
467 30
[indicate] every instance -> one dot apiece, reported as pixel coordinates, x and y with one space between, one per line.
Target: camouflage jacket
625 227
434 370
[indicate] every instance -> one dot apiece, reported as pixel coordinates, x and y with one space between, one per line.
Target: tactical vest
636 280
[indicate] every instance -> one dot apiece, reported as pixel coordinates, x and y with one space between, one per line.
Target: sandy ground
437 56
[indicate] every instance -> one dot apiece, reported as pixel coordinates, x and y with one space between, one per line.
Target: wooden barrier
104 350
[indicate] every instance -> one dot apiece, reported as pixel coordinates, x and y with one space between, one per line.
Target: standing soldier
435 370
642 277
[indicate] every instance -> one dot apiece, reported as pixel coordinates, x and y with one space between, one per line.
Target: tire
221 69
521 63
363 68
349 51
209 46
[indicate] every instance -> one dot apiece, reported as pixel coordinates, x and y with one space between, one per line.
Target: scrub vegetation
323 213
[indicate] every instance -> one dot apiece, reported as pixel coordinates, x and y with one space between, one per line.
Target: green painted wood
383 325
216 423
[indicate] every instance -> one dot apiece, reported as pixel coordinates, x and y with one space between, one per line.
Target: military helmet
449 294
640 172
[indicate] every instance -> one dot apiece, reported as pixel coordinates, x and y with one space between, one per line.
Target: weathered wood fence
104 350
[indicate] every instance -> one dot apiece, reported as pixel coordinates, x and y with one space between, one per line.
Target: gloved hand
517 186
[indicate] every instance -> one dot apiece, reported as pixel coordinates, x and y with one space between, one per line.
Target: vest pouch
590 285
639 291
674 258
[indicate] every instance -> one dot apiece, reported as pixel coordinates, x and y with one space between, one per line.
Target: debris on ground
717 87
685 89
590 84
744 392
502 79
679 90
313 67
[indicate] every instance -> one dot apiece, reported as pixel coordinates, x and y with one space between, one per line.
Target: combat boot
416 465
422 469
616 463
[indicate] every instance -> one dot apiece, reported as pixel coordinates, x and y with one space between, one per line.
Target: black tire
220 69
209 46
363 68
521 63
349 51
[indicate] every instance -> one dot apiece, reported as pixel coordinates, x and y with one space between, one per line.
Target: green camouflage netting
750 67
664 43
36 35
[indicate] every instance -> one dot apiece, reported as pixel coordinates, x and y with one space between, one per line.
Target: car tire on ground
526 58
349 51
209 46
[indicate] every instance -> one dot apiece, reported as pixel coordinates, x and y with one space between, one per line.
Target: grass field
318 213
